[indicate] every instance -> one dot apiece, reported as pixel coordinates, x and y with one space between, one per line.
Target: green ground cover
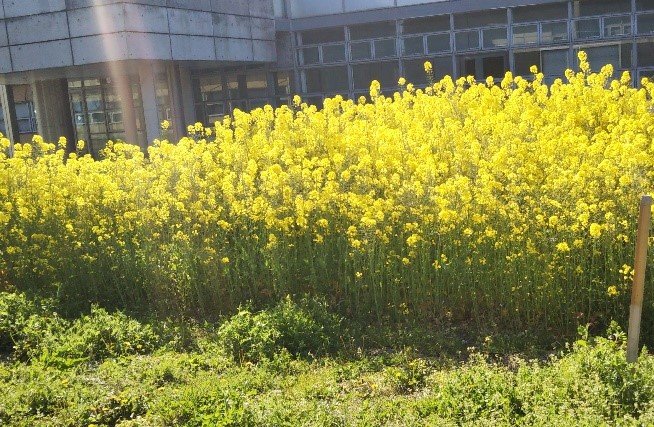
297 364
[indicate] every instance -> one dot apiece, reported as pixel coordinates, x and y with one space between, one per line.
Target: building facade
107 69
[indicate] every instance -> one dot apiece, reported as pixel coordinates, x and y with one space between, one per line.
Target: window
554 62
646 24
414 70
524 60
546 12
617 26
600 7
645 52
587 28
372 31
309 55
644 5
385 48
387 73
256 84
326 79
360 50
438 43
333 53
26 117
554 32
618 55
413 45
324 35
494 38
480 19
430 24
525 34
467 40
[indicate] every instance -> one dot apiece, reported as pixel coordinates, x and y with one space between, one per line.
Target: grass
264 369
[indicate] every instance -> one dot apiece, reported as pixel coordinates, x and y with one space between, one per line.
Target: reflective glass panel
525 34
437 43
494 37
413 45
467 40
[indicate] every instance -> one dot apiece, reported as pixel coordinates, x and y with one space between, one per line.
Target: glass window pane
210 88
525 34
545 12
494 66
373 30
554 32
555 62
324 35
644 5
602 55
257 84
495 37
387 73
480 19
430 24
646 24
361 50
333 53
23 110
437 43
600 7
617 26
328 79
587 29
385 48
467 40
414 70
645 51
413 45
524 60
309 55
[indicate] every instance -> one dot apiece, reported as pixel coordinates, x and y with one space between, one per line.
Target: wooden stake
640 263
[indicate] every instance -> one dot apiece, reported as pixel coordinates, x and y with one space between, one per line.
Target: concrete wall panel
192 48
97 20
5 60
264 50
3 34
146 19
234 49
14 8
37 56
231 26
263 29
203 5
261 8
37 28
236 7
190 22
148 46
99 48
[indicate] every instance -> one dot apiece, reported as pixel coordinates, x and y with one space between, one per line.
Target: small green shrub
25 326
98 336
303 329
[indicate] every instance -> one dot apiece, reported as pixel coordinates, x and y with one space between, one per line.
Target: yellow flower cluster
513 201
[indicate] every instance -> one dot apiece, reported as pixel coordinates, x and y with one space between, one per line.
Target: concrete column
184 97
124 91
9 112
53 116
147 79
